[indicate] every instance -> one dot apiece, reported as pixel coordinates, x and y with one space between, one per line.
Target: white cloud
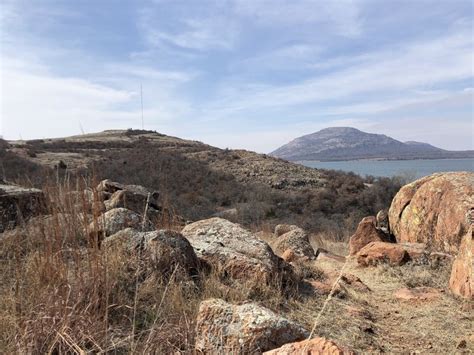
341 17
214 32
388 77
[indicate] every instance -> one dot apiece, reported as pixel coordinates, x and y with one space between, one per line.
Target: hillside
197 180
345 143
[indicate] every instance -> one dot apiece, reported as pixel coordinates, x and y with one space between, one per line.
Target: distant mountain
346 143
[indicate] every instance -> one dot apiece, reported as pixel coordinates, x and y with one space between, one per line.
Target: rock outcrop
18 204
297 241
461 281
434 210
234 251
225 328
366 233
315 346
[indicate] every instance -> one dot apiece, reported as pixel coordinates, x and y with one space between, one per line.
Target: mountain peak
347 143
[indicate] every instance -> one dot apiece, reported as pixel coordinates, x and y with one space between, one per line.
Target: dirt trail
377 322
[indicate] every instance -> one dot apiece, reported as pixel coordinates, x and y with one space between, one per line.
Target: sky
250 74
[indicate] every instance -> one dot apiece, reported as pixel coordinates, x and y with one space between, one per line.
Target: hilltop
346 143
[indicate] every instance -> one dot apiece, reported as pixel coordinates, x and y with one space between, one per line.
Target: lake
412 169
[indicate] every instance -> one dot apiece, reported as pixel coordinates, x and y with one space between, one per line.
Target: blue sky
250 74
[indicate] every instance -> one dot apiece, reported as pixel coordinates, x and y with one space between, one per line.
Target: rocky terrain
94 268
345 143
198 181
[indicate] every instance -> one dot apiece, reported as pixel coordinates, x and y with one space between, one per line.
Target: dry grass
61 293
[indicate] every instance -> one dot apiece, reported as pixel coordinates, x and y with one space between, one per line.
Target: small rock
296 240
417 294
313 346
366 232
281 229
382 221
18 204
379 252
117 219
225 328
391 253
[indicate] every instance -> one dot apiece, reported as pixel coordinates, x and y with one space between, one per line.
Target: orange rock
433 210
289 255
392 253
378 252
315 346
366 232
417 294
461 282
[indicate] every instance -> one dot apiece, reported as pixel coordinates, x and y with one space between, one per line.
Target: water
411 169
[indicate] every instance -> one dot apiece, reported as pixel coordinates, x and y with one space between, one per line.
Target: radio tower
141 100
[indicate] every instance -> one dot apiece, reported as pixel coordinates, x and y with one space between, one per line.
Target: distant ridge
347 143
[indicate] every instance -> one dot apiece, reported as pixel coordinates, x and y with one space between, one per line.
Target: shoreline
373 159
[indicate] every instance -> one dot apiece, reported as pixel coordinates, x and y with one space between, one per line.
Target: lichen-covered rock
234 251
281 229
366 232
117 219
382 221
163 252
128 240
132 197
461 281
296 240
315 346
223 328
170 252
18 204
391 253
434 210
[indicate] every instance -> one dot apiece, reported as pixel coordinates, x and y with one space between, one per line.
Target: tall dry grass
62 293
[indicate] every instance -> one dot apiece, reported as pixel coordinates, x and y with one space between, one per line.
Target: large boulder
233 250
164 252
297 241
224 328
366 233
391 253
117 219
312 346
18 204
461 282
433 210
